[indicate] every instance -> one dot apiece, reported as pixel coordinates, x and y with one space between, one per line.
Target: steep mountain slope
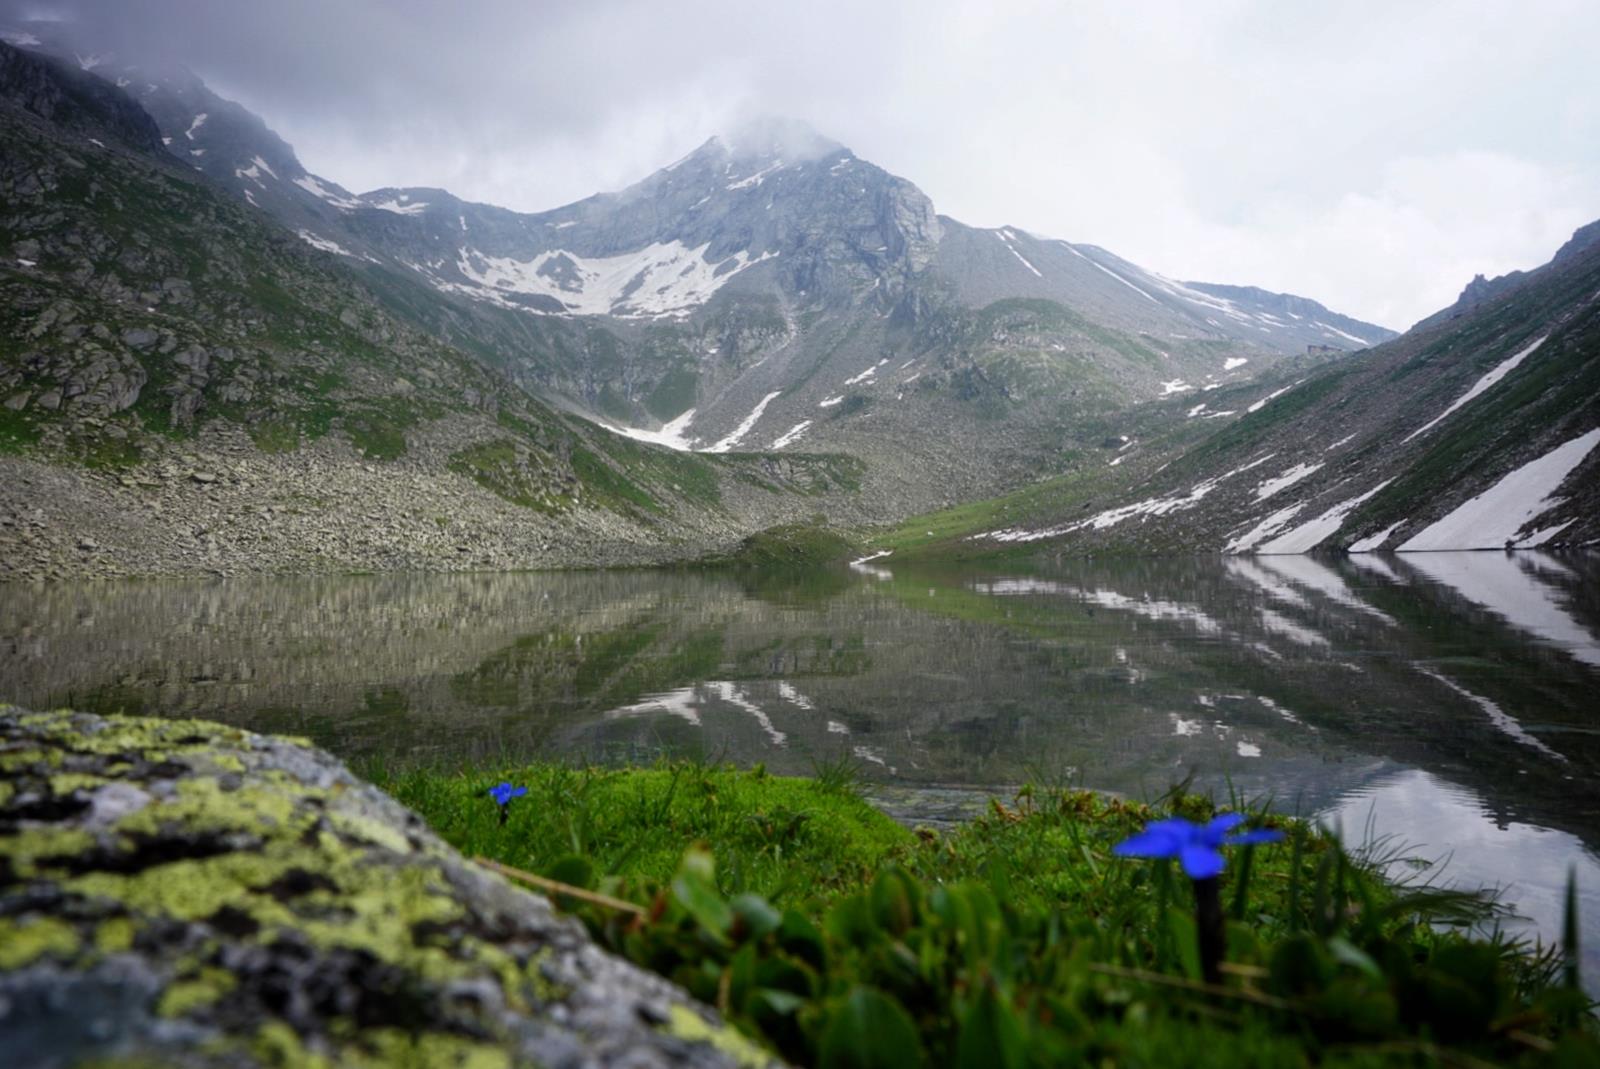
184 385
772 291
1478 429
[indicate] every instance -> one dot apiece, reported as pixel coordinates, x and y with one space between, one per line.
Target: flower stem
1209 927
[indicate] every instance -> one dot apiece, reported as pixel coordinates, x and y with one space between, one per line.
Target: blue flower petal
1259 835
1213 832
1201 862
1163 838
519 792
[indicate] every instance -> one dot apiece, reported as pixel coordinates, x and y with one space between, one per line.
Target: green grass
784 838
18 431
792 545
836 937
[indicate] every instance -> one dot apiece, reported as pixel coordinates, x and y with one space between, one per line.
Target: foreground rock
183 893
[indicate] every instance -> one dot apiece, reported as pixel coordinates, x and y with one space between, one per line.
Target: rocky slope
186 387
179 893
1476 430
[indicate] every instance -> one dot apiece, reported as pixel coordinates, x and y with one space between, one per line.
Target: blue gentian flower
503 793
1198 847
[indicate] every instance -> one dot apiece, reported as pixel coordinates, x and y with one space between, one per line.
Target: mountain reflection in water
1445 699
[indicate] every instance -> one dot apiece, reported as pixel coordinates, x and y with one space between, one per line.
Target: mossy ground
837 937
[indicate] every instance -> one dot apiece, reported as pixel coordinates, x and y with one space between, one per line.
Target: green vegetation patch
506 470
833 937
785 838
791 545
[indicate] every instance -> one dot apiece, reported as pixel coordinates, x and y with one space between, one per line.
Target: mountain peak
776 138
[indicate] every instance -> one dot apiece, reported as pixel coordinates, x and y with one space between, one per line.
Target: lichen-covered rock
181 893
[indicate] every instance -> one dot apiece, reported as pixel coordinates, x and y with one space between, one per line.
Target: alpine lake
1443 708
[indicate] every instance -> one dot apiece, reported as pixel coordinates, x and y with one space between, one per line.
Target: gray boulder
182 893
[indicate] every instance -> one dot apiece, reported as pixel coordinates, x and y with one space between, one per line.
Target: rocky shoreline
218 506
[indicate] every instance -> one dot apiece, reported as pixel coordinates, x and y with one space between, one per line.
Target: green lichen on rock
24 942
208 896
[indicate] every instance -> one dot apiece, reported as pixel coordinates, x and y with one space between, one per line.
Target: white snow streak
1284 480
1335 330
791 434
1308 535
324 244
744 428
1495 517
1494 375
399 207
1002 235
670 435
1259 405
310 184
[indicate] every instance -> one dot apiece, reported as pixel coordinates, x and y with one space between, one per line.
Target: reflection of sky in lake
1456 691
1443 823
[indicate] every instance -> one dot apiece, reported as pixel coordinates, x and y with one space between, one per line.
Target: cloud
1370 155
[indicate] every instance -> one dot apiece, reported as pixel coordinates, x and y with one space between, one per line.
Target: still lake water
1450 700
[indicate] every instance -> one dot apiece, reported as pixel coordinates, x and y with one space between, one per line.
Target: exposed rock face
74 99
188 894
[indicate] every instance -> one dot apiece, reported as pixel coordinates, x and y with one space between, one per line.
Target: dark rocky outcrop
75 100
187 894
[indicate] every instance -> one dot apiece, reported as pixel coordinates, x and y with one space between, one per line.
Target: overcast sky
1373 156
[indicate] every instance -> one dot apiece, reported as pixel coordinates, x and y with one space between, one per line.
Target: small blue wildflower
503 793
1198 847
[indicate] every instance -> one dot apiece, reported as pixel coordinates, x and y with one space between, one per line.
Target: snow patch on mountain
743 429
661 279
1494 518
866 376
1310 534
672 434
791 435
1335 331
310 184
1284 480
325 244
1157 506
399 206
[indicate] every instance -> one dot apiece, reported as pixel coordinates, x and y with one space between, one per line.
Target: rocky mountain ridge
184 387
1477 430
773 291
